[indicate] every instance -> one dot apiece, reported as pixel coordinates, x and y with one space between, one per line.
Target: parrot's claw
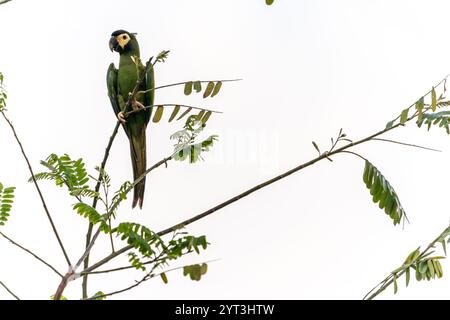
137 105
121 117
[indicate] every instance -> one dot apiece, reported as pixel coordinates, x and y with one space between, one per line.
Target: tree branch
94 203
4 286
170 105
184 82
406 144
148 276
37 188
380 287
30 252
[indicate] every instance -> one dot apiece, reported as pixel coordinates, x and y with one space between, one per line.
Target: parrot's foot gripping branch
121 117
135 105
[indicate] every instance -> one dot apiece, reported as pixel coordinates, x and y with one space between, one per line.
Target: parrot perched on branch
121 83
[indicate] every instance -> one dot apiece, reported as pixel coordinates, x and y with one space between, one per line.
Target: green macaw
120 84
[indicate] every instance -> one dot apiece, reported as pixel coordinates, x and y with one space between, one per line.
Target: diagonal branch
380 287
6 288
95 201
30 252
148 276
47 212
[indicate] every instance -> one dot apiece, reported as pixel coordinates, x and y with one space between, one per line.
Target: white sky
309 68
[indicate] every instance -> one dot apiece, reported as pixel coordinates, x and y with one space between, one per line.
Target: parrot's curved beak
113 44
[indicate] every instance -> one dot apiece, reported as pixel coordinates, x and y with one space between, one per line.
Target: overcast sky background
309 68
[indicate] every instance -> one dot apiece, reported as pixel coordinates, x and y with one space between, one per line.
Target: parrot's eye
124 37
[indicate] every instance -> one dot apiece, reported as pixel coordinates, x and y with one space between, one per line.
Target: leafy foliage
162 56
441 119
186 147
195 271
138 236
421 111
383 193
203 115
151 246
136 261
6 201
92 214
211 90
98 296
424 266
65 171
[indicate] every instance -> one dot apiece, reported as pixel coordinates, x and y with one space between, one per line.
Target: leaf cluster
6 201
383 193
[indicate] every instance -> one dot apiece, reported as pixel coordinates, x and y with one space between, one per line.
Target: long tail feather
139 161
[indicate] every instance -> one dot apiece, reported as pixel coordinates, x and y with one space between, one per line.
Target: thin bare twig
148 276
170 105
37 188
30 252
7 289
184 82
406 144
95 201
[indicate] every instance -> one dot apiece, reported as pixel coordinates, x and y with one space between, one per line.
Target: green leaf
407 276
188 88
185 113
418 274
395 284
158 114
164 278
438 268
383 193
174 113
206 116
209 89
442 119
99 296
6 201
204 268
197 86
216 88
199 116
433 100
390 124
404 116
423 267
430 268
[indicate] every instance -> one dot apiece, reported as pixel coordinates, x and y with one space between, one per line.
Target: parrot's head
123 41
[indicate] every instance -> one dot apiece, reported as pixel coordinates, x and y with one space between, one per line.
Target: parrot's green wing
149 97
111 82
